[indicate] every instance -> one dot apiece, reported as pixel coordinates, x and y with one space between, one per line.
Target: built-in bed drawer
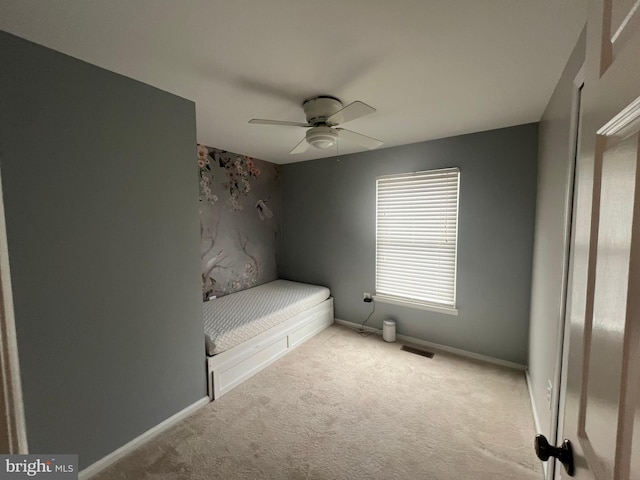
319 321
239 372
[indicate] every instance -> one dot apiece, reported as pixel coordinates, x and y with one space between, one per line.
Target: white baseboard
444 348
536 420
116 455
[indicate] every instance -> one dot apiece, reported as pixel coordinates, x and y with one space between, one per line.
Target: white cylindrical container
389 330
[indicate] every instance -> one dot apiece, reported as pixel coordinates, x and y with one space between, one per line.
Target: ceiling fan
323 113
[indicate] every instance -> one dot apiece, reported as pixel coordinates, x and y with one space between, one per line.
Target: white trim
357 326
624 123
11 391
562 348
420 306
444 348
536 420
140 440
578 81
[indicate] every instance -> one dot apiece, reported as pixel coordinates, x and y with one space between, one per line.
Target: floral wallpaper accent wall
239 221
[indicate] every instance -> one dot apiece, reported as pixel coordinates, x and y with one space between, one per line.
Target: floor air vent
417 351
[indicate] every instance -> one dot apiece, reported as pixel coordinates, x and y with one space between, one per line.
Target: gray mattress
235 318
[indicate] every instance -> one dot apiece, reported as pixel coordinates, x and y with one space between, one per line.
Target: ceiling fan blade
300 147
261 121
352 111
358 138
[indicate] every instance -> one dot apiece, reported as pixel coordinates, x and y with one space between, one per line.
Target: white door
602 407
13 435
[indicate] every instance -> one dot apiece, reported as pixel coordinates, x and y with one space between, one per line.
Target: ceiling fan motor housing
318 109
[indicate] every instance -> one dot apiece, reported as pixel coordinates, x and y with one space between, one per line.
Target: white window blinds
416 236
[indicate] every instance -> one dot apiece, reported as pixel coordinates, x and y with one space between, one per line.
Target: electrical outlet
366 296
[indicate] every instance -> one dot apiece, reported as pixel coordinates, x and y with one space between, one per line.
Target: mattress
235 318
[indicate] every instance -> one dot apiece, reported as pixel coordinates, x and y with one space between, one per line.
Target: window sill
410 304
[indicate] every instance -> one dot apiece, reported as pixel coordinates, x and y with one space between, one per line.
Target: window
416 237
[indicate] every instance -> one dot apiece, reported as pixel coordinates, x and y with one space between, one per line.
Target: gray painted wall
101 203
328 233
554 171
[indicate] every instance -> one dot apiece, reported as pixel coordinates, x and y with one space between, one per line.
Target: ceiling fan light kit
322 137
323 113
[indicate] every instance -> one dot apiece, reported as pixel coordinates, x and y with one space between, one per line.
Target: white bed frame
230 368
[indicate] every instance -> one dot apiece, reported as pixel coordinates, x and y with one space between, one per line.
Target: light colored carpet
342 406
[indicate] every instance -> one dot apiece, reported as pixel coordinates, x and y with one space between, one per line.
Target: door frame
562 344
13 429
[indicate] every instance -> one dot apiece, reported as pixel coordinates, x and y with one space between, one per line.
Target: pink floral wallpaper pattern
239 200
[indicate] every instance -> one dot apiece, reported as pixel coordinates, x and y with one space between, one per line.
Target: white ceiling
432 68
